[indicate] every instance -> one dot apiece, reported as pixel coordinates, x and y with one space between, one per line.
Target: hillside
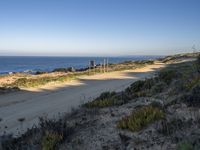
155 113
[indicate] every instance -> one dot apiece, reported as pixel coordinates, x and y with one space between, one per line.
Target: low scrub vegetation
47 136
193 97
141 118
70 69
185 146
34 82
51 140
167 75
173 122
175 79
198 60
169 127
8 89
28 81
107 99
198 64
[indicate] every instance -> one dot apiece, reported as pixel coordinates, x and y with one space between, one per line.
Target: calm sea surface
33 64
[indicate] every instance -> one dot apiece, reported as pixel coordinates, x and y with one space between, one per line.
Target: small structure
72 69
92 64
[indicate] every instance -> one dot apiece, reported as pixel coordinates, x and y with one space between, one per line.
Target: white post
104 65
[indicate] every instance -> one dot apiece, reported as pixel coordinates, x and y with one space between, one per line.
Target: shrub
100 103
70 69
106 99
148 83
193 97
106 95
40 72
51 140
141 85
198 60
58 126
137 86
54 132
198 64
8 89
157 104
168 127
141 118
184 146
158 88
167 75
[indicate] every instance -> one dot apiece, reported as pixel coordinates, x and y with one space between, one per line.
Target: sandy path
53 99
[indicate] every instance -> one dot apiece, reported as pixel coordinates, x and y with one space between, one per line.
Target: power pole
104 65
107 65
89 69
101 67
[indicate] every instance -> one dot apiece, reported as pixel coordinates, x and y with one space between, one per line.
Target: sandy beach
52 100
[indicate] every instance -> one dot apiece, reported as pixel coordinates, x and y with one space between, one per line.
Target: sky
98 27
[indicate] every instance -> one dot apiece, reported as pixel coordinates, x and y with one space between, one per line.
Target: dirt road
51 100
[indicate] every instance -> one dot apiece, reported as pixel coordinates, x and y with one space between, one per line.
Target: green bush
148 83
158 88
107 99
198 59
168 127
167 75
51 140
141 118
40 72
70 69
198 64
100 103
137 86
193 97
184 146
106 95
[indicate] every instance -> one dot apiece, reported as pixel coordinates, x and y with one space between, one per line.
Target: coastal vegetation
161 112
140 118
177 79
66 74
4 90
34 82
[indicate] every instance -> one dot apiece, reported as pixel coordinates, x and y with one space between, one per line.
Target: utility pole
89 68
101 67
107 65
104 65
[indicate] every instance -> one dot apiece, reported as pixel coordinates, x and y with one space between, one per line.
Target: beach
55 99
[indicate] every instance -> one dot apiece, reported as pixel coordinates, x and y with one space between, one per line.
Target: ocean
10 64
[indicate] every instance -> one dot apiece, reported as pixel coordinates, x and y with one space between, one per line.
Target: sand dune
52 99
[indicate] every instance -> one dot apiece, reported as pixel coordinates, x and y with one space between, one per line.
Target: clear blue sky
98 27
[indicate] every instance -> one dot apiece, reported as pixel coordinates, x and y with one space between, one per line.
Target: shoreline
61 75
79 67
